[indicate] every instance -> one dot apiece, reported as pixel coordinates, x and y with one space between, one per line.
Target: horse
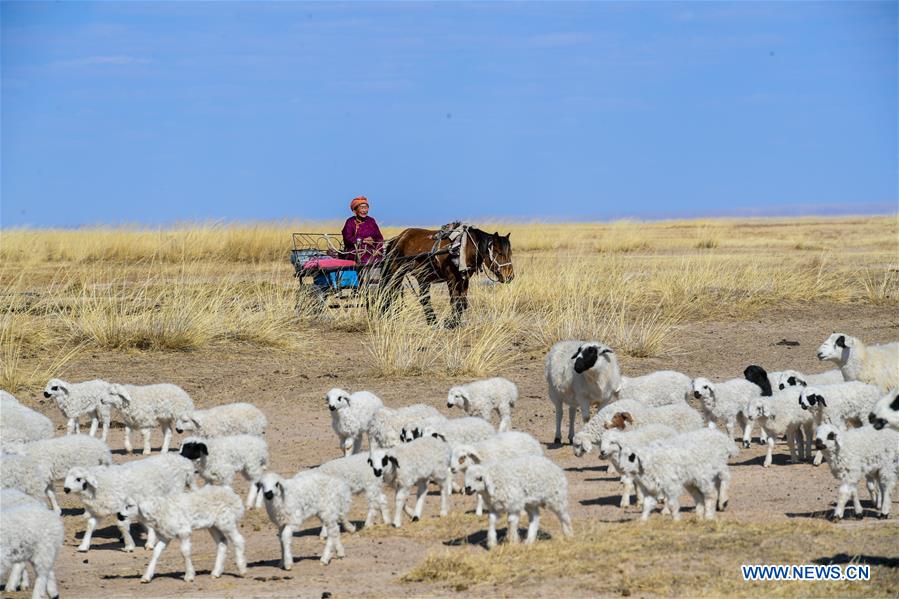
426 257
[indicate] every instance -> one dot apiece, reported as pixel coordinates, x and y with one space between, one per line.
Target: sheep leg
348 524
385 511
151 567
54 505
843 495
189 572
709 496
446 490
357 443
105 434
479 510
94 423
512 527
729 427
286 535
401 495
52 589
125 530
887 484
166 437
649 503
723 481
533 524
505 418
338 546
769 455
572 414
70 426
127 440
745 427
698 502
252 494
151 537
15 573
221 548
420 495
236 539
145 433
791 443
558 438
674 505
40 585
333 533
628 483
856 503
86 540
491 529
346 443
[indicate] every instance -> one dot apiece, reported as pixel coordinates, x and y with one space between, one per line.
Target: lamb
217 509
10 498
612 442
217 460
351 415
104 489
482 398
580 374
387 424
79 399
145 407
794 378
291 501
843 404
355 472
224 420
856 453
414 465
19 424
29 532
874 364
886 412
510 444
26 473
591 434
695 461
455 430
782 415
63 453
660 388
726 402
520 484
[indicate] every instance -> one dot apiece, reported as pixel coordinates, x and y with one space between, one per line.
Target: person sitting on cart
362 238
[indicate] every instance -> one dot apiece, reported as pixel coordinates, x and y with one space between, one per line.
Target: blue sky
153 113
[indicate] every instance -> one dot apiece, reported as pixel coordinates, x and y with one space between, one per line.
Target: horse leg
457 289
424 298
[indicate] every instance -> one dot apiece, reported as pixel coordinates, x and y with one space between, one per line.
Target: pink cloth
327 263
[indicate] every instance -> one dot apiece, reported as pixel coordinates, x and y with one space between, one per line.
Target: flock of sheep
662 448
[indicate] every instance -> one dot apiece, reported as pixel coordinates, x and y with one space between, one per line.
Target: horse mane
482 239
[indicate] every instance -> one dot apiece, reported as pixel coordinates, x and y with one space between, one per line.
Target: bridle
493 266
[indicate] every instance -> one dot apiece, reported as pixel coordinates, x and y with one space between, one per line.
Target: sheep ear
346 398
841 341
894 405
607 350
489 486
203 449
475 457
577 352
194 420
91 481
394 461
439 436
820 400
280 488
626 417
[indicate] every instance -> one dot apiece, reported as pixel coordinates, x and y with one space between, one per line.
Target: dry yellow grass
629 283
689 558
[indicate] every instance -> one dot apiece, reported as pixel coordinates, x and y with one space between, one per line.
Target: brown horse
417 252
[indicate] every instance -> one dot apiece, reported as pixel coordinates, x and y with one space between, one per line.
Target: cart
328 274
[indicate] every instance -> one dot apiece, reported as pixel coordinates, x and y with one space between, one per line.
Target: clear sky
153 113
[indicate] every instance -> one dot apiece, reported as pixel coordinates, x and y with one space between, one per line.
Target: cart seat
328 264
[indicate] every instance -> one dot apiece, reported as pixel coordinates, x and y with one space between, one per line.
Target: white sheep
793 378
482 398
289 502
580 374
659 388
21 424
413 465
218 459
26 473
886 412
217 509
469 429
355 472
10 498
104 489
520 484
502 446
60 454
224 420
75 400
387 424
842 405
695 461
146 407
613 440
781 415
727 402
857 453
31 533
351 415
873 364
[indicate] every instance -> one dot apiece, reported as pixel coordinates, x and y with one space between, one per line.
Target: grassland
630 283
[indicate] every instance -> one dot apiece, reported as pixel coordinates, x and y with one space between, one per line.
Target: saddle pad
326 263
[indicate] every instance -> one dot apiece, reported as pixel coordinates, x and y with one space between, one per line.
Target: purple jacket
354 231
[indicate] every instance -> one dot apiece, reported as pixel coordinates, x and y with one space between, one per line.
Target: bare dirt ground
290 389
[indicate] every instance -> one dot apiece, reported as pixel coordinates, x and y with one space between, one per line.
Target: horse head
499 257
